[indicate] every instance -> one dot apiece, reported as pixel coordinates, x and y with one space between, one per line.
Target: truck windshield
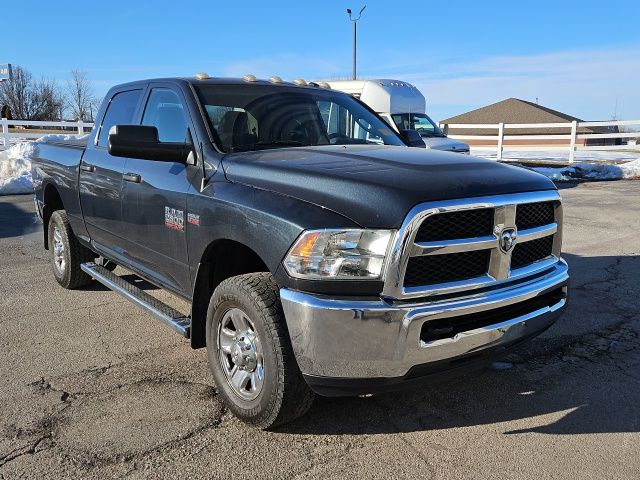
257 117
417 121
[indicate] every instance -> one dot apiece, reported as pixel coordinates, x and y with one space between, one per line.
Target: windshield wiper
272 143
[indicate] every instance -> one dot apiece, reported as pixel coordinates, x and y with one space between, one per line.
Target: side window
120 111
339 122
165 111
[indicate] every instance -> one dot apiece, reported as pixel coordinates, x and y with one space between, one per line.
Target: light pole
355 35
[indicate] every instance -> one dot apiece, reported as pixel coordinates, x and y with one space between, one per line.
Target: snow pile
593 171
15 169
56 137
15 163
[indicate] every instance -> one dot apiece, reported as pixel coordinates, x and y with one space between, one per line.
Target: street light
355 35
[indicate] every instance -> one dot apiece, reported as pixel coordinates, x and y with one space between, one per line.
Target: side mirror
141 141
412 138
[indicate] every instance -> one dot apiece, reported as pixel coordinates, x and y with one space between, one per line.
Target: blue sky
578 57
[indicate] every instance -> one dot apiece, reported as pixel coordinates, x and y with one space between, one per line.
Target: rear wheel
67 252
250 353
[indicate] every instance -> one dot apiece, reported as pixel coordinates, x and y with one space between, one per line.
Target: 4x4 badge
508 239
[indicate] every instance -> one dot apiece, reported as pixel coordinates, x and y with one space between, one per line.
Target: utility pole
355 36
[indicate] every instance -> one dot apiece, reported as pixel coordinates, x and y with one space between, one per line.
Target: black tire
66 266
284 395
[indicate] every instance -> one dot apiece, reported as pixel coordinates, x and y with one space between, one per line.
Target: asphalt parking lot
92 387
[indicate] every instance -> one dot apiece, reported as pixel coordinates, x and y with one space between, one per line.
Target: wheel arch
222 259
52 201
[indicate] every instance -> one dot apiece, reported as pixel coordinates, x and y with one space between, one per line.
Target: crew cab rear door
154 196
100 182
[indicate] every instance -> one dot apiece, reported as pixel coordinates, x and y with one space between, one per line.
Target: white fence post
80 127
500 139
5 132
572 147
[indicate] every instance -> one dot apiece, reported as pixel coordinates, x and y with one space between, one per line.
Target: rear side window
120 111
164 111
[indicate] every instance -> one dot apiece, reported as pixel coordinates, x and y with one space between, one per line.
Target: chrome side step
174 319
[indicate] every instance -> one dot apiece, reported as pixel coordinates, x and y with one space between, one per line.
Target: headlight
339 254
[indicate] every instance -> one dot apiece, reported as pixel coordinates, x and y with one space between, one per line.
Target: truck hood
445 143
376 186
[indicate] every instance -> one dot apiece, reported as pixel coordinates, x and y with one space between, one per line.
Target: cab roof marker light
202 76
249 78
300 82
275 79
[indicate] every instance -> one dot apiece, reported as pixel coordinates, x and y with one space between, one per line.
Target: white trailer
403 106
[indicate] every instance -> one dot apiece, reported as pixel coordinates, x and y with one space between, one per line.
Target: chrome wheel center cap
243 352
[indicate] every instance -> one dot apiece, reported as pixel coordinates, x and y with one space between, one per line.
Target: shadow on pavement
571 384
17 219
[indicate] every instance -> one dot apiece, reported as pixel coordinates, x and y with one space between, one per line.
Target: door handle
132 177
85 167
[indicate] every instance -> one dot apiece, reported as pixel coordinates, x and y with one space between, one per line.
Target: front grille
531 215
452 225
529 252
450 327
431 269
454 247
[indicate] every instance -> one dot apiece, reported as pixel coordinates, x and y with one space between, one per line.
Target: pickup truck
318 253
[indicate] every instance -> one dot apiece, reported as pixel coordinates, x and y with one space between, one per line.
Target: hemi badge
193 219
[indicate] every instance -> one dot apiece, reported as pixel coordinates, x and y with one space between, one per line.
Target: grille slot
531 215
529 252
450 327
454 225
431 269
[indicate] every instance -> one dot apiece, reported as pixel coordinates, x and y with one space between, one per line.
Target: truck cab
403 107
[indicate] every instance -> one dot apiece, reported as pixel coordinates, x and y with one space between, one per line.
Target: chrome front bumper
362 339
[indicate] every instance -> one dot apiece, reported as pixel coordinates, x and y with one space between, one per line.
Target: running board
174 319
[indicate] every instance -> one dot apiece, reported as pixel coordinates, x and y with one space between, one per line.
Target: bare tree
80 96
28 99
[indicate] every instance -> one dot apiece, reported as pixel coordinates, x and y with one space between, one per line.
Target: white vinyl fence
503 128
18 135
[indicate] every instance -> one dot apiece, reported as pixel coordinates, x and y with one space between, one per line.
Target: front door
155 195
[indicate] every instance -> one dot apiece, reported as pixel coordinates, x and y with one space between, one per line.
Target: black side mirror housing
141 141
412 138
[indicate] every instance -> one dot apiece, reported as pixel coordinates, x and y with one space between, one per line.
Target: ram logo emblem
508 239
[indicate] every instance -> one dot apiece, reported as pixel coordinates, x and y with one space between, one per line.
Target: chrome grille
455 246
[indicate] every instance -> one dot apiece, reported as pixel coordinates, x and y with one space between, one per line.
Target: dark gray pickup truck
318 252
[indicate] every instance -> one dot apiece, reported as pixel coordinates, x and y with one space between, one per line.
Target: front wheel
250 353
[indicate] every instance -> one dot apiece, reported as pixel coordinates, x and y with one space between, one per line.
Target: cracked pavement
92 387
